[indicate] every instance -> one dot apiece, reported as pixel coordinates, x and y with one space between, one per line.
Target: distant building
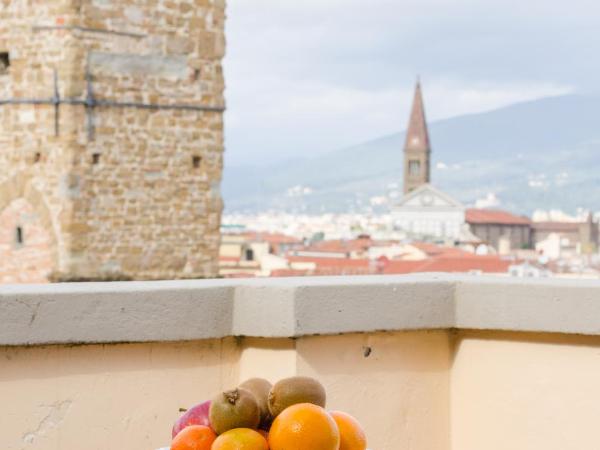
566 239
500 229
417 149
429 212
254 254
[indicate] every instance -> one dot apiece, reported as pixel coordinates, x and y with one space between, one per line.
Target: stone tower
417 150
111 139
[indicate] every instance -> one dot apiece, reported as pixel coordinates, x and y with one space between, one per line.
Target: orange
304 427
194 437
264 433
352 436
240 439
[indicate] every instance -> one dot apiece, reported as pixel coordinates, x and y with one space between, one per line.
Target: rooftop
494 217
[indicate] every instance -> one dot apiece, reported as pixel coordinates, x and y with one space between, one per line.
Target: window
249 254
19 236
95 158
4 62
414 167
196 161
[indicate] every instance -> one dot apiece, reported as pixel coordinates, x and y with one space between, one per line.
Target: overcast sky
309 76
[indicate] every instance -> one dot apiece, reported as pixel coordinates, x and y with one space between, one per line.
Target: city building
502 230
111 139
563 239
254 254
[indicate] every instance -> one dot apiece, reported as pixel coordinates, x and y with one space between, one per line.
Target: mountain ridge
520 153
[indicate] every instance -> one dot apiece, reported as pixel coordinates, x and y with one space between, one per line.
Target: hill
539 154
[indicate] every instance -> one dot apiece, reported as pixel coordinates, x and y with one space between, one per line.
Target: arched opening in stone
25 245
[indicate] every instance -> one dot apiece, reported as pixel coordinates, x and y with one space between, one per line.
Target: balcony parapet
165 311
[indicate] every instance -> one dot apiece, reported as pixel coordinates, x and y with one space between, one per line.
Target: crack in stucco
33 308
34 313
53 418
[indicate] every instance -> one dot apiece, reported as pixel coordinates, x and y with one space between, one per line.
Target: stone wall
24 245
518 235
132 191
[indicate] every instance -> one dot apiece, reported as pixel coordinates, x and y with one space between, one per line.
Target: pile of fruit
289 415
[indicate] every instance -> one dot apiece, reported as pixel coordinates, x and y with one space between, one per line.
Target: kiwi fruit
290 391
237 408
260 388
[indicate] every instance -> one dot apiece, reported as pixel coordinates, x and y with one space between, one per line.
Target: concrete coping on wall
83 313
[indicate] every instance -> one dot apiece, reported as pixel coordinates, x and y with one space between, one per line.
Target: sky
306 77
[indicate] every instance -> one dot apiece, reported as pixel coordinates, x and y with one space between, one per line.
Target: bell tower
417 149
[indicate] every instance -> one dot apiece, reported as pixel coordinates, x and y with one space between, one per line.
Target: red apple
197 415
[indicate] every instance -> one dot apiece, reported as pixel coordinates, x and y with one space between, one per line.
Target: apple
196 415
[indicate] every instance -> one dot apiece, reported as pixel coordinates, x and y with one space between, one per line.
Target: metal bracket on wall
90 102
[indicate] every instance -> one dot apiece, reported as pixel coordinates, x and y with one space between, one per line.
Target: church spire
417 148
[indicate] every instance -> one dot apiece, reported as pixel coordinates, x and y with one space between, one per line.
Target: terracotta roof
449 263
417 136
494 217
465 262
397 267
437 250
340 246
272 238
332 262
486 264
558 227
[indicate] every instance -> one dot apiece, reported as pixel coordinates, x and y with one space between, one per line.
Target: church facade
428 212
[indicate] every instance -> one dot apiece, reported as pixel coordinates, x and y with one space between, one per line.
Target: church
425 211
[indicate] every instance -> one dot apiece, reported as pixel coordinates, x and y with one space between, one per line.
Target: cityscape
423 230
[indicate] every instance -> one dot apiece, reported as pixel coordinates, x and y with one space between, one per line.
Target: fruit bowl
258 415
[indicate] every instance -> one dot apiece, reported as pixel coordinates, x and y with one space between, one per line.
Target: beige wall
399 392
105 397
418 390
525 391
127 396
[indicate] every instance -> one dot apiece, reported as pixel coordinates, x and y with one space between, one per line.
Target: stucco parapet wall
191 310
